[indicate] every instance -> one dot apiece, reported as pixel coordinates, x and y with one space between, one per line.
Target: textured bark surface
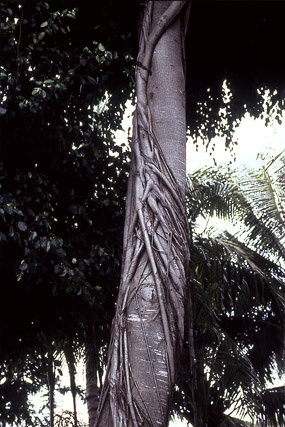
148 327
166 93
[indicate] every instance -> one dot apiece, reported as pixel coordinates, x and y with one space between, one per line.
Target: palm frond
273 407
209 197
264 219
238 285
254 199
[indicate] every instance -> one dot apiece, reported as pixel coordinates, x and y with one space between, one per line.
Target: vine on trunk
148 328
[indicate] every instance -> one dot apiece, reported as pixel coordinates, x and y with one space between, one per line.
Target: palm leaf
238 285
273 407
253 198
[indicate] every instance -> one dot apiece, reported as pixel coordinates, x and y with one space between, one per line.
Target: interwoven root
149 323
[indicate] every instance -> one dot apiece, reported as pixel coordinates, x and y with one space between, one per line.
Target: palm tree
238 295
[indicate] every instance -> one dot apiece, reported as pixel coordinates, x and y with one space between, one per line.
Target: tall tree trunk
92 389
148 327
51 387
70 359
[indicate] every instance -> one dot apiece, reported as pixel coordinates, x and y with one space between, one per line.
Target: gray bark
148 327
166 94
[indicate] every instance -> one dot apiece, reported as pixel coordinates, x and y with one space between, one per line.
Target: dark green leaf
101 47
91 80
41 35
23 266
22 226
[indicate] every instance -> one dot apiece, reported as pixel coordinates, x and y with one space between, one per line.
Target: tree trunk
51 387
148 327
70 359
92 389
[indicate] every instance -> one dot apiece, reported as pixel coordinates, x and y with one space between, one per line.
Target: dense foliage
63 183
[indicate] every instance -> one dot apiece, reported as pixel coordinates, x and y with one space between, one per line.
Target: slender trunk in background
70 359
51 387
92 389
148 327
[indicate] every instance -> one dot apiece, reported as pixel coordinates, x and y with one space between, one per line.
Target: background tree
238 297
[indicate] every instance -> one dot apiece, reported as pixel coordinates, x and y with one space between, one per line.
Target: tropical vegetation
66 74
238 294
60 219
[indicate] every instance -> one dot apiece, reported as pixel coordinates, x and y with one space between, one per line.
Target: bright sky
253 137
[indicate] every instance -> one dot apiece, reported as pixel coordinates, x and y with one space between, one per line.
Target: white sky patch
252 135
121 136
253 138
